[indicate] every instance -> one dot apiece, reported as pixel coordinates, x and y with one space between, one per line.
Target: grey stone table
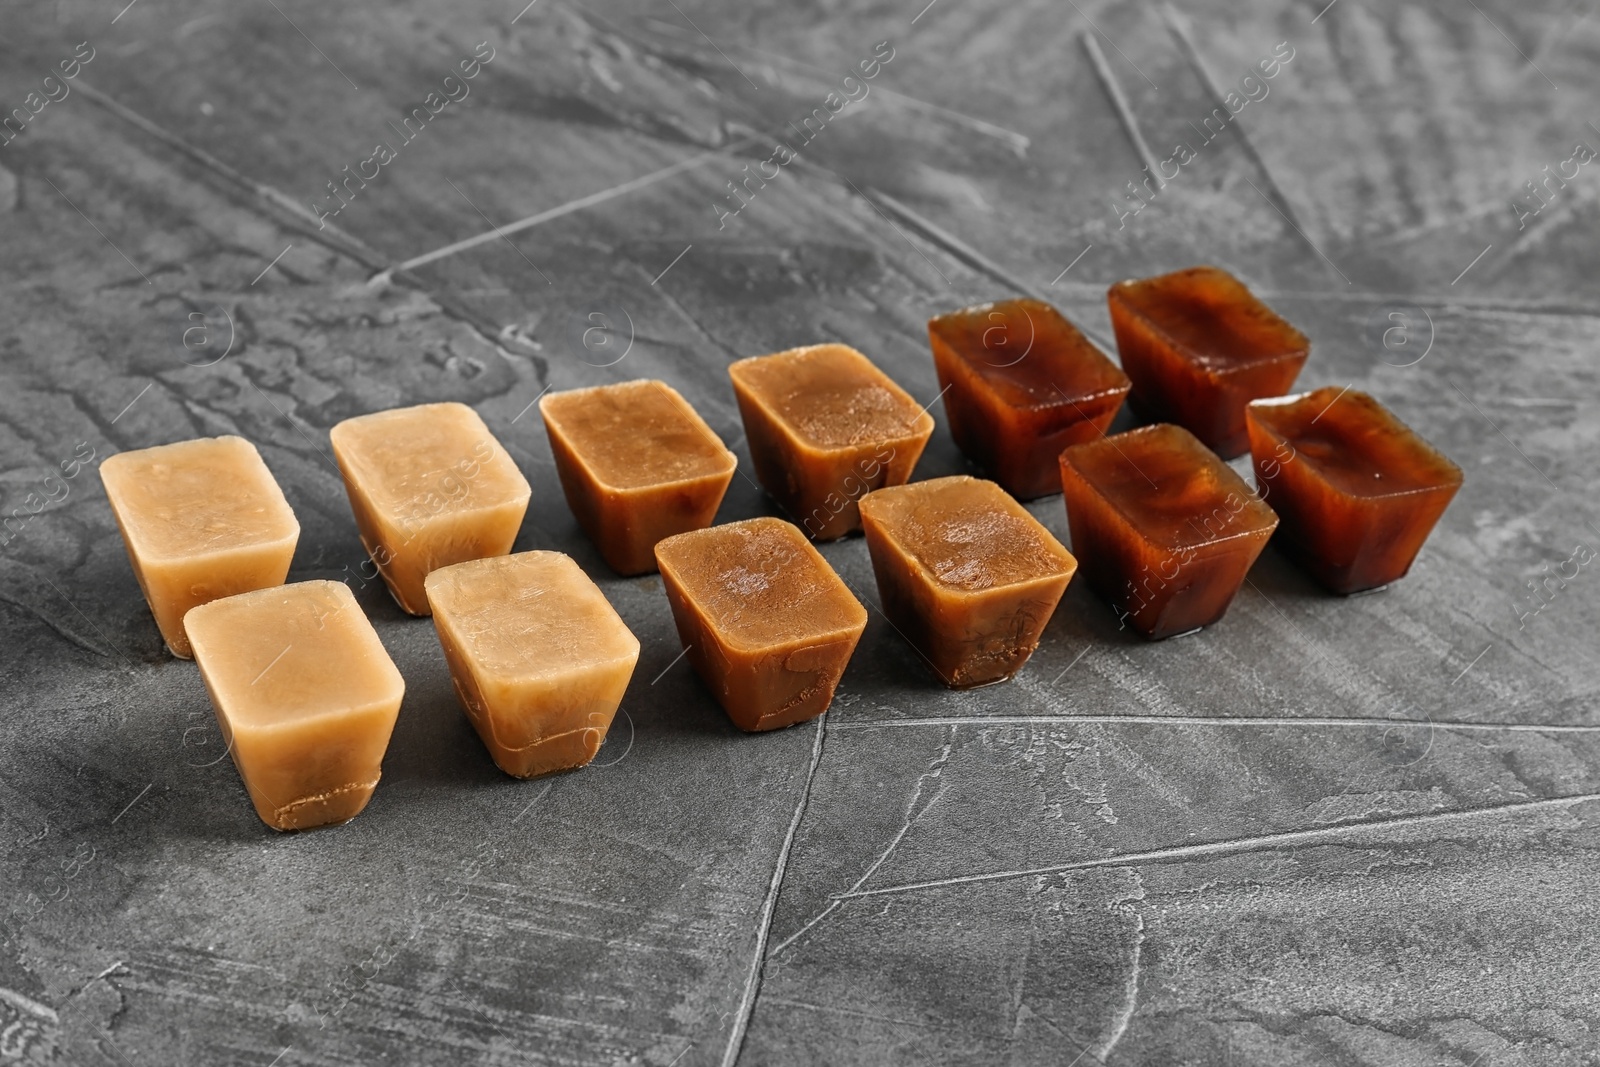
1324 831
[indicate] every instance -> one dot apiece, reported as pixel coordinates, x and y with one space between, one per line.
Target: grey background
1321 832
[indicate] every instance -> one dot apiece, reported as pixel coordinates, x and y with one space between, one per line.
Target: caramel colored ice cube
768 625
1165 530
637 464
966 575
539 657
306 697
1198 347
1358 491
825 428
429 486
1020 384
201 520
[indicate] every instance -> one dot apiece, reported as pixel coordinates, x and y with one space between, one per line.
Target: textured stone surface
8 190
1218 850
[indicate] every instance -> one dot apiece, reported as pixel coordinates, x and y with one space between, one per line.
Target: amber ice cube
637 464
1358 491
539 657
1198 347
768 625
826 427
1020 383
306 697
429 486
966 575
1164 529
201 520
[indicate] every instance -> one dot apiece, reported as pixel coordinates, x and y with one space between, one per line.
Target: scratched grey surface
1322 832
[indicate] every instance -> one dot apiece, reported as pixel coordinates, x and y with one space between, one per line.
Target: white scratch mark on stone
982 722
274 263
540 796
1471 665
673 664
1233 846
131 803
752 986
26 1004
132 402
572 205
1124 1017
1474 263
1119 100
913 813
